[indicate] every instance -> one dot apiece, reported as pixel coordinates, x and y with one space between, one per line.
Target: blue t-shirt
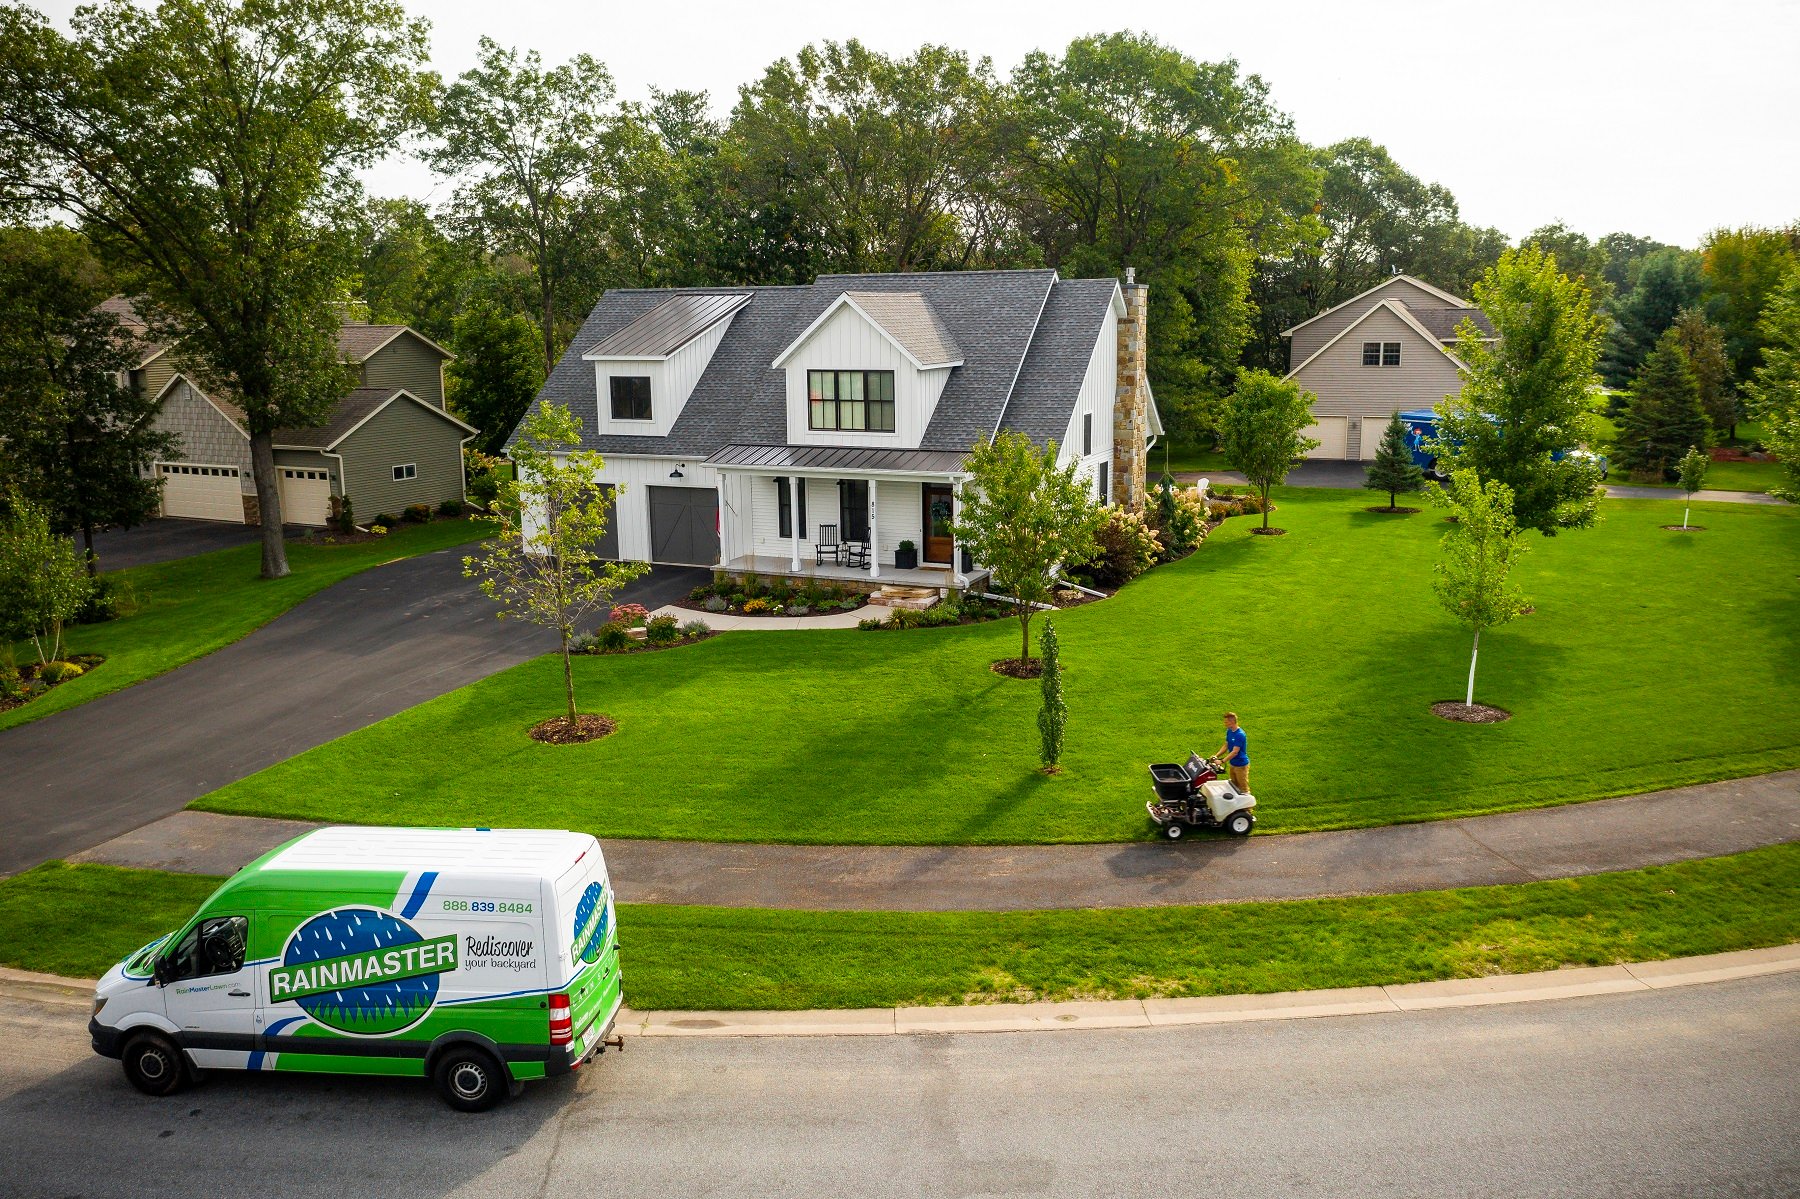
1239 745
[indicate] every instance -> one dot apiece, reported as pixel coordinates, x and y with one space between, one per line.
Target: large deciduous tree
1023 517
1775 390
1479 552
496 371
1526 396
77 437
1264 430
524 142
1744 268
211 148
1663 417
1704 344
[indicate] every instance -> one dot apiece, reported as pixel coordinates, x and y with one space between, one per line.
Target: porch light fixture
676 473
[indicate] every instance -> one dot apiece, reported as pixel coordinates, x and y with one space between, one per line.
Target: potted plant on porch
906 556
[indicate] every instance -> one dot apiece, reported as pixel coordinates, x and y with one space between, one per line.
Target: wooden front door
939 512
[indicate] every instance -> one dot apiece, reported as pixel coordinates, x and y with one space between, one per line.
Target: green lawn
1173 457
1720 476
191 607
688 958
1653 659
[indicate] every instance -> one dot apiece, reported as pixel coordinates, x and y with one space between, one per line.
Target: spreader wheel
1174 830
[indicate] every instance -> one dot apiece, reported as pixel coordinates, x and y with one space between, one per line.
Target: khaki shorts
1240 778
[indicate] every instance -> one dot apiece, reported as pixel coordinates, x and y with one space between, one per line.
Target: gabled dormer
868 372
644 373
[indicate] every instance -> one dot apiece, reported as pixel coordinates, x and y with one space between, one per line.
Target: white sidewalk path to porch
726 622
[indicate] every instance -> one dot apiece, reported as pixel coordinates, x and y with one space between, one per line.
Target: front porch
770 566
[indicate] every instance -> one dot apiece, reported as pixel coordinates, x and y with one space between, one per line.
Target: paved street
1674 1093
357 652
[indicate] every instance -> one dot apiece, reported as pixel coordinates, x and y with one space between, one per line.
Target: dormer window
631 397
862 401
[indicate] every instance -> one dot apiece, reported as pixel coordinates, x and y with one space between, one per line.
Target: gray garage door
684 525
608 545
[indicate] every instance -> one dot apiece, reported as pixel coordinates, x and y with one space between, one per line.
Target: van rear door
588 944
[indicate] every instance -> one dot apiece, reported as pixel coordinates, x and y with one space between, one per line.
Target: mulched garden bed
34 687
1453 709
1011 669
587 727
849 603
643 647
331 536
1384 510
1271 531
1685 528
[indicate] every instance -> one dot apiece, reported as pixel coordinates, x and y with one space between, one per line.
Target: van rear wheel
470 1080
154 1065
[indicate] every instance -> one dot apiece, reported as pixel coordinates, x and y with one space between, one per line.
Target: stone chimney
1131 409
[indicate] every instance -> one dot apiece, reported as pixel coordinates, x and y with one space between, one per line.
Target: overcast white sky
1648 116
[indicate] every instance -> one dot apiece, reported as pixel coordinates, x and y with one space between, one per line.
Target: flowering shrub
378 530
629 615
1179 518
612 637
1128 547
661 630
752 606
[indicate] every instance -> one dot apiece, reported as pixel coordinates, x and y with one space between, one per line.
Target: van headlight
99 1002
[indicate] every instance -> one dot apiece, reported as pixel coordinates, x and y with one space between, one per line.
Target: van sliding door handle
238 994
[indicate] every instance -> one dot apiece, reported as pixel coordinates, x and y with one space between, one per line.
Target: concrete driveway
357 652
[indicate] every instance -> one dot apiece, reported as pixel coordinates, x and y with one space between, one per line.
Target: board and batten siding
1369 395
399 433
406 362
1306 341
1099 393
672 381
207 435
848 342
632 477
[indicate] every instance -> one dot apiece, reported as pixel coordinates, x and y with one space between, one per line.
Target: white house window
1087 433
631 397
406 470
858 401
784 509
1381 353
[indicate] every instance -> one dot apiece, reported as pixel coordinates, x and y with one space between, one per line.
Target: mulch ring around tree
1451 709
1685 528
1012 668
1271 531
1384 510
587 727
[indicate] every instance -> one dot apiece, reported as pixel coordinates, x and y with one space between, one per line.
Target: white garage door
1332 432
201 492
305 496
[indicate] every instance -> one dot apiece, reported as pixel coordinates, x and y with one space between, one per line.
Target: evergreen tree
1775 391
1053 718
1704 344
1663 416
1394 470
1668 282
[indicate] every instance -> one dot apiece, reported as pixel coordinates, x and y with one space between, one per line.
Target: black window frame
818 403
784 508
853 509
631 397
191 945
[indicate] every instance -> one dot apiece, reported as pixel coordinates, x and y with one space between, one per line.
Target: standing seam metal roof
669 326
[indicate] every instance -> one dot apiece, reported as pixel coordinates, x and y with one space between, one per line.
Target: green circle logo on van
591 923
362 971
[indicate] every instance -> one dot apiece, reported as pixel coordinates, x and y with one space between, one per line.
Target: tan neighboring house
1389 349
389 443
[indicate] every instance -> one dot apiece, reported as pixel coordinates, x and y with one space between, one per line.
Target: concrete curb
1134 1013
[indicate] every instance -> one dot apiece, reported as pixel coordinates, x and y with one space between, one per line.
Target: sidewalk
1573 983
1509 847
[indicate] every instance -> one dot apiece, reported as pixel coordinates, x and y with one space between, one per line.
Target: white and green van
478 958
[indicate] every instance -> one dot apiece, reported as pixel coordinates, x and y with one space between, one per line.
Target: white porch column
874 529
956 570
795 483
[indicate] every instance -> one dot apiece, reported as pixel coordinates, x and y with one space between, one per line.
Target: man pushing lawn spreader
1192 795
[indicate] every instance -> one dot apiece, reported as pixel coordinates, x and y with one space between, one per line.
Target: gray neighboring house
745 428
388 444
1386 350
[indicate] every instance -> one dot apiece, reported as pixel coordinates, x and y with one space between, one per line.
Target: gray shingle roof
1049 386
669 326
1441 323
909 320
350 410
989 317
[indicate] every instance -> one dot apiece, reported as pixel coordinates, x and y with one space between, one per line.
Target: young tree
527 139
42 585
1692 468
1479 552
541 565
1263 429
1526 396
77 441
1704 344
1053 717
1775 391
497 370
212 149
1022 517
1663 416
1394 470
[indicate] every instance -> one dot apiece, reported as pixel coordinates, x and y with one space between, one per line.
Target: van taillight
562 1029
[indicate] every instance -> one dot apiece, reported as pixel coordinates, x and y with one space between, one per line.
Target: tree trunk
1474 652
268 505
1024 637
1265 507
547 308
87 538
1393 499
568 677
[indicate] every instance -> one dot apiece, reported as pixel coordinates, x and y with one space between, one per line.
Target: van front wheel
470 1080
154 1065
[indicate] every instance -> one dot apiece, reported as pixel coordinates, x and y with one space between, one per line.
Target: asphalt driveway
170 538
357 652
